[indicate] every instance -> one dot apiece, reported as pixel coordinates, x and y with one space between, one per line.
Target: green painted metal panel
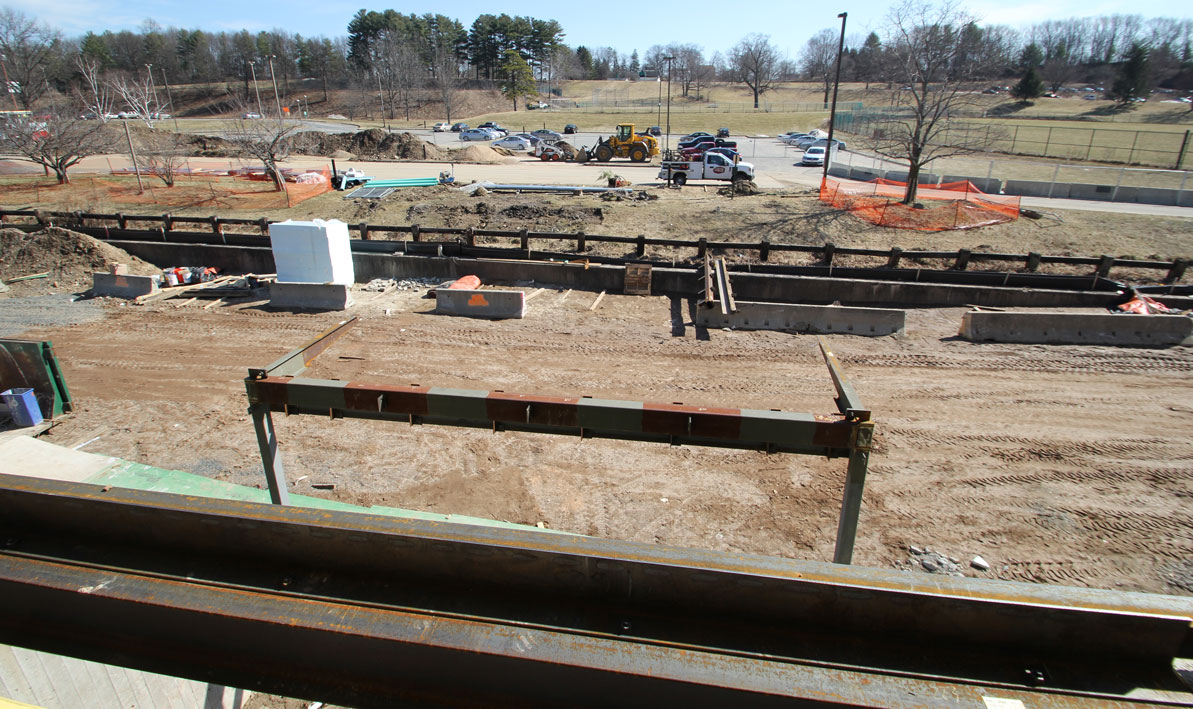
32 364
462 404
611 415
777 426
316 393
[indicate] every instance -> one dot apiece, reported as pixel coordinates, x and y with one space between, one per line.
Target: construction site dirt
1062 465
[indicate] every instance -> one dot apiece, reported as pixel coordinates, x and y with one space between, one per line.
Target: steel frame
369 610
279 388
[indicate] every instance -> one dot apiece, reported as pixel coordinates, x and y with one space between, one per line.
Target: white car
512 143
442 127
814 155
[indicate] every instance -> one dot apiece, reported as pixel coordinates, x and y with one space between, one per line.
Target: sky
710 24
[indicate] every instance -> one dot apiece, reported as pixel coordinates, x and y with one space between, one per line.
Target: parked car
250 115
1090 97
570 128
654 130
460 127
534 139
495 128
478 134
441 128
722 132
814 155
704 142
793 138
730 153
823 142
512 143
548 135
536 105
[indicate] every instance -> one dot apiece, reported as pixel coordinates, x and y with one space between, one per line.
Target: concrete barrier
817 319
1156 195
310 296
1081 190
496 304
125 286
1032 188
1078 328
838 170
864 174
1185 198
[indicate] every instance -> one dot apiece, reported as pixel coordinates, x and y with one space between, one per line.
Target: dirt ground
1066 465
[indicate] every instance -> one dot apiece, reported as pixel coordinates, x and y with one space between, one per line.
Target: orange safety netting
956 205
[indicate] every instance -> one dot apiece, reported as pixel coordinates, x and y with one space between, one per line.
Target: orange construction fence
952 205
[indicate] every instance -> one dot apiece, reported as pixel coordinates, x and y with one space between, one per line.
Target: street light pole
152 86
659 78
667 135
832 116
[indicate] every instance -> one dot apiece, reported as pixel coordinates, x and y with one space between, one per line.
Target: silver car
512 143
478 134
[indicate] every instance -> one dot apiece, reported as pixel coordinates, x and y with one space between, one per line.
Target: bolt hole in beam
278 388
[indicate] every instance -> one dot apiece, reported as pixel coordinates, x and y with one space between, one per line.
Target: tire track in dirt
1113 476
1045 448
1104 365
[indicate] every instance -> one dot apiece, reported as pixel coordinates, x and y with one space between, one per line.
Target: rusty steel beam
775 431
297 360
370 610
848 402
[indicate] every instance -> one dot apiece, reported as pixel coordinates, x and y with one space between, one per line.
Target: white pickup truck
712 166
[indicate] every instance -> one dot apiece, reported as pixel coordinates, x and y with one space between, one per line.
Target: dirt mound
210 146
569 151
69 257
371 144
480 154
342 155
740 188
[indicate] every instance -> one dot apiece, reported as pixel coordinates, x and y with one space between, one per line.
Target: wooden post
217 227
1104 266
962 259
1033 262
524 239
263 223
580 242
414 233
829 249
764 250
168 222
470 236
896 255
364 231
132 151
1177 271
641 245
702 247
121 220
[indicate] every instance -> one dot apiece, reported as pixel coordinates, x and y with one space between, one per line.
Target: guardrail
958 260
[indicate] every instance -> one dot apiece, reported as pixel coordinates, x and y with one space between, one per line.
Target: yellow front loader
625 144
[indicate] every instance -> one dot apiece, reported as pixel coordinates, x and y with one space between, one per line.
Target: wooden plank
537 292
212 304
185 303
597 302
565 295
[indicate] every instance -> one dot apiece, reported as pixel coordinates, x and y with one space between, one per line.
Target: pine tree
1134 76
519 78
1029 87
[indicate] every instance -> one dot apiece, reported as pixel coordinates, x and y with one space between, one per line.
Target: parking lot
773 160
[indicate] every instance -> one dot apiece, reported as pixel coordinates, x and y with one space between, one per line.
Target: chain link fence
1166 149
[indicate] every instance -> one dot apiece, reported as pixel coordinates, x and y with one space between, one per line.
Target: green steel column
271 460
851 500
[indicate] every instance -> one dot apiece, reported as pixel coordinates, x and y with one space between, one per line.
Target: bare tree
265 141
95 95
927 44
57 141
755 63
819 57
447 78
29 51
137 94
401 70
161 154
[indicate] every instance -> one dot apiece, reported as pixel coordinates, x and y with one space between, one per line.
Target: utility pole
274 79
667 135
832 116
170 98
659 78
8 84
133 152
253 71
381 98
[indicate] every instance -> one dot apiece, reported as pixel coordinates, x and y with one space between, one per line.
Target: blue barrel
23 405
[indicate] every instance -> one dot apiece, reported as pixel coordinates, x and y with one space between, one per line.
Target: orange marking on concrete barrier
478 299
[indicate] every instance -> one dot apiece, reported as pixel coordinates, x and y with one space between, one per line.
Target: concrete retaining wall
755 287
1078 329
494 304
106 284
817 319
310 296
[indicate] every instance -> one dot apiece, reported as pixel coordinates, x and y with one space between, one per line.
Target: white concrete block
317 251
